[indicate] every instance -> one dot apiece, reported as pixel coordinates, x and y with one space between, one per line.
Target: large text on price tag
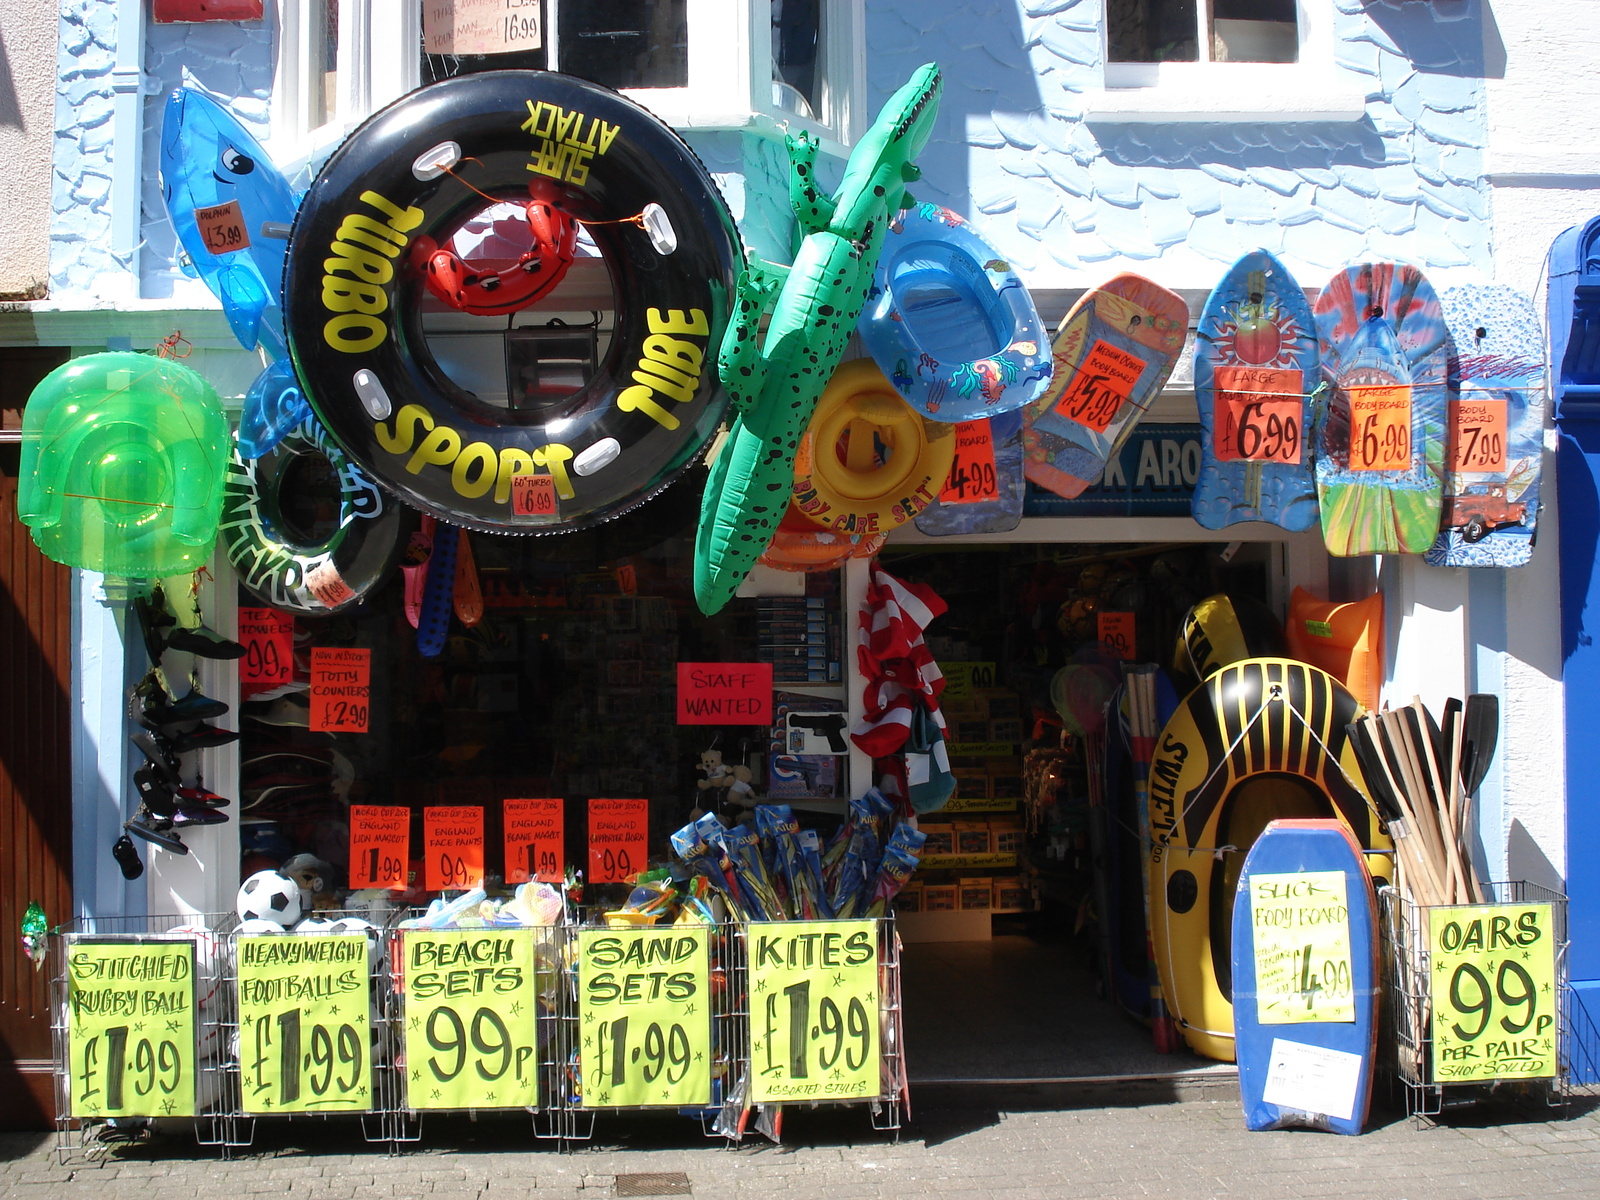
222 227
972 475
341 686
452 847
471 1012
380 845
1477 434
1119 631
535 837
1257 415
130 1027
304 1033
268 639
533 495
1102 385
814 1010
1301 926
1494 992
619 839
644 1011
1380 428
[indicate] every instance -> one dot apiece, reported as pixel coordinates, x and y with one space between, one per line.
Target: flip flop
468 598
414 566
202 737
159 834
155 793
204 643
127 856
433 626
154 620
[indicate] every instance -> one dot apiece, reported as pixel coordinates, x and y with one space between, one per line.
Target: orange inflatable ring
881 461
800 545
1345 640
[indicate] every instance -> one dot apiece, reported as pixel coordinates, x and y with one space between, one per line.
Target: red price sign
452 847
268 639
327 585
341 686
1116 629
1104 382
380 845
1380 427
972 476
533 495
724 693
1478 435
222 228
619 839
1257 415
535 837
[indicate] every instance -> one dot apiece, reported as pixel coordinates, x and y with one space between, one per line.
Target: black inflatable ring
334 574
421 168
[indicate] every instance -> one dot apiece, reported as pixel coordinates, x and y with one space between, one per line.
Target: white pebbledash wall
1445 133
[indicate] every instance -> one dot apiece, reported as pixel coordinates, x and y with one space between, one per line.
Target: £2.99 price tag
533 495
619 839
1257 415
130 1027
380 845
1494 992
341 684
222 227
814 1010
972 475
452 847
267 636
1478 435
1103 383
1380 427
535 837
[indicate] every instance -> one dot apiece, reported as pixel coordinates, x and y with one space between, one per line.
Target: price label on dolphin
1495 1003
644 1016
814 1031
222 227
471 1016
1301 926
305 1035
130 1027
1380 427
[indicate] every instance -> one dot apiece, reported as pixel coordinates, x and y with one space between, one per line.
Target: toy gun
828 725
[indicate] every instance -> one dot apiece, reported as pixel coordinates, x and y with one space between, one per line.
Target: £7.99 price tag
1477 434
1257 416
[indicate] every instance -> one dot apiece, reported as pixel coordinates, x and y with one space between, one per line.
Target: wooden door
35 764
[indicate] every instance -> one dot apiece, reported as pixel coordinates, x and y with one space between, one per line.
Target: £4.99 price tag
1103 383
341 684
1380 427
1478 434
533 495
1257 415
972 475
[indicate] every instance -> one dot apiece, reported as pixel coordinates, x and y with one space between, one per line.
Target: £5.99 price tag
533 496
1380 427
1257 415
1103 383
972 475
1477 434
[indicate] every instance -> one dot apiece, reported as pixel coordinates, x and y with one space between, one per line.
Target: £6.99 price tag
1380 427
533 496
1257 415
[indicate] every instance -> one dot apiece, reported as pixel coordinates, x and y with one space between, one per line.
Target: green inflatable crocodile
815 305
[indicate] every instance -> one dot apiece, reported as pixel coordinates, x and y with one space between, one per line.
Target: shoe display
204 643
202 737
154 620
199 797
156 831
286 710
127 856
187 817
164 714
158 754
155 792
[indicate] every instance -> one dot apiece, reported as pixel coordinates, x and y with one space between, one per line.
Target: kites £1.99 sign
1495 1000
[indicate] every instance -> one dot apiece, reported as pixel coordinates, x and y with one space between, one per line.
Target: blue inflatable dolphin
231 208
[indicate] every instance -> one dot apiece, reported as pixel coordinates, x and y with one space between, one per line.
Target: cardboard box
971 781
939 897
1011 891
972 837
1008 786
941 840
976 893
909 899
1007 833
1005 731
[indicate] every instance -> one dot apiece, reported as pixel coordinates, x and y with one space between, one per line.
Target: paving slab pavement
1030 1143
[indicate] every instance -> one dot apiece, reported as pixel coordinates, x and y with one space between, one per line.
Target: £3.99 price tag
619 839
1494 993
1103 383
130 1027
268 639
471 1006
1116 629
304 1031
535 837
814 1010
222 227
1380 427
341 684
644 1016
972 475
452 847
1257 415
533 495
1478 434
380 845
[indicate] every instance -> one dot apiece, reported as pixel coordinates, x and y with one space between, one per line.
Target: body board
998 515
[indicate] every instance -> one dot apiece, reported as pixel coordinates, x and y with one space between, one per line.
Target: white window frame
1310 89
729 87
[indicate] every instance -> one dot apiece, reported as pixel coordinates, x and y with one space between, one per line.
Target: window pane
1253 31
323 69
1151 31
796 30
625 43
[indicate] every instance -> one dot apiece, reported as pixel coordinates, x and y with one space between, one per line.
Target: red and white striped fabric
900 671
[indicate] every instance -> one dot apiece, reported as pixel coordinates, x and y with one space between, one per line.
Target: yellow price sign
304 1034
814 1031
644 1011
130 1027
1495 1003
471 1018
1301 925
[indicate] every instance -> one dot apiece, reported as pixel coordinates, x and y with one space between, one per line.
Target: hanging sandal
157 831
204 643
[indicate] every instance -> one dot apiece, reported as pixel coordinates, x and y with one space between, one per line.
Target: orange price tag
1257 415
1380 427
535 835
267 636
341 686
1103 384
380 845
619 839
972 475
452 847
1478 435
222 227
327 585
1115 629
533 495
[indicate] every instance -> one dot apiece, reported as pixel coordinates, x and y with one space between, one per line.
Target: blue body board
999 515
1293 847
1257 323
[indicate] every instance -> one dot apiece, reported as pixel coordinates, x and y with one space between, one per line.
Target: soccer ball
349 925
257 925
269 896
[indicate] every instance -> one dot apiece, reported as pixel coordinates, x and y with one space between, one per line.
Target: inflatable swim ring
801 545
1345 640
275 560
867 462
950 323
272 407
122 465
1259 740
1224 629
422 168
